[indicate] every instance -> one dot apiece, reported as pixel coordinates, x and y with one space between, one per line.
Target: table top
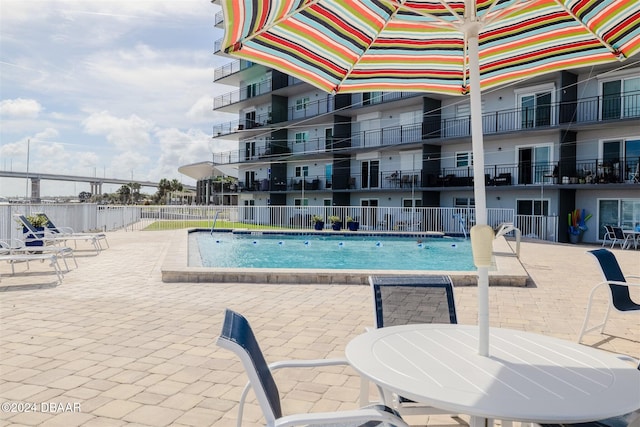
527 377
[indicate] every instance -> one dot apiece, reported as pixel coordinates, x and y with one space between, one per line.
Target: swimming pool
321 251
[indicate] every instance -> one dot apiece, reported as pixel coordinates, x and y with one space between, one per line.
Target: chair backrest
49 224
617 231
26 223
611 271
403 300
609 230
238 337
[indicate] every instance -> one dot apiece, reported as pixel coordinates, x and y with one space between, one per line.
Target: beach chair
238 337
51 238
405 300
619 295
13 258
17 246
68 231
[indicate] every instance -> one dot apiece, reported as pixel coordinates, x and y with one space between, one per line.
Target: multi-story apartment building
552 144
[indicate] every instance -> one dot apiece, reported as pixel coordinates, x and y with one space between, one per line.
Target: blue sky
107 87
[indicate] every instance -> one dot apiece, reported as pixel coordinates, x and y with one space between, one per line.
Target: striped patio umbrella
455 47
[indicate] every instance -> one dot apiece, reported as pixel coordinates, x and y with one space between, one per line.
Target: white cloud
20 108
108 87
122 133
201 110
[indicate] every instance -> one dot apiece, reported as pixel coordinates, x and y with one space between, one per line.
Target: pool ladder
215 218
462 225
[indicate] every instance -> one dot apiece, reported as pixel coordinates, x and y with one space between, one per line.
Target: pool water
334 252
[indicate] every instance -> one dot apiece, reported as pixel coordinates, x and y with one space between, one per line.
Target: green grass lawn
173 225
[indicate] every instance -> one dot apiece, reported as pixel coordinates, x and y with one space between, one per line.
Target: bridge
95 182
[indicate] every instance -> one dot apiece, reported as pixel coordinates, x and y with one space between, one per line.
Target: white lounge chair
47 237
18 247
12 259
68 231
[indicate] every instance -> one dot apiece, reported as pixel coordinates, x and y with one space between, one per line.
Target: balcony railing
585 111
231 68
582 172
244 93
219 18
308 110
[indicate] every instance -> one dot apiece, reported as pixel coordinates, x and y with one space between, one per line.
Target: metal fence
90 217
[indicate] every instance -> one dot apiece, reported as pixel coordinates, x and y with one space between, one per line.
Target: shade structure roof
203 170
422 45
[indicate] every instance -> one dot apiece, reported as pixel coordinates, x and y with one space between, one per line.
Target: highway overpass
95 182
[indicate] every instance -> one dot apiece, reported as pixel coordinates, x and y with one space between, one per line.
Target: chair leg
606 317
584 328
364 391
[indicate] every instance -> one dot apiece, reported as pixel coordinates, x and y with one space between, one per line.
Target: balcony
586 111
231 68
242 94
309 110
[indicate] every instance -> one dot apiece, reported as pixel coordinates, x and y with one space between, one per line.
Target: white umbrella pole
479 193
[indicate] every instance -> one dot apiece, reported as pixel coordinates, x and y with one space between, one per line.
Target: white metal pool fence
91 217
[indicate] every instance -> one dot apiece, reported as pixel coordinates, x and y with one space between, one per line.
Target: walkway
114 345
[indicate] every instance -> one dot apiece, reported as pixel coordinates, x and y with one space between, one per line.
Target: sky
107 88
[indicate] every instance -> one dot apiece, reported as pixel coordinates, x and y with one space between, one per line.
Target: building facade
563 141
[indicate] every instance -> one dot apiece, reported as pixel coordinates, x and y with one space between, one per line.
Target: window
534 162
249 150
328 174
620 98
370 173
249 210
301 202
618 212
302 171
302 137
532 207
369 98
252 90
619 159
249 179
464 202
409 204
464 159
302 103
536 106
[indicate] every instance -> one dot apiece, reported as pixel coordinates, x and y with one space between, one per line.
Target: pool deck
122 347
507 269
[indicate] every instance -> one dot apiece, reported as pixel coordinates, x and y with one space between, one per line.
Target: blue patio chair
619 237
619 296
404 300
609 236
238 337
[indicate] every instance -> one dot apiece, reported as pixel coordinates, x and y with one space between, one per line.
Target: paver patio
114 345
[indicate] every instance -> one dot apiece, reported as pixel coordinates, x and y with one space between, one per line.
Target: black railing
596 109
583 172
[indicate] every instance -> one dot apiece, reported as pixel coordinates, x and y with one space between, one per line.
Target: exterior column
35 190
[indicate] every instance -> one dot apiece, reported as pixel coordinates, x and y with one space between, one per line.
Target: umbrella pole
479 193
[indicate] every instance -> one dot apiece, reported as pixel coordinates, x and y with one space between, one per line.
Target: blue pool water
334 252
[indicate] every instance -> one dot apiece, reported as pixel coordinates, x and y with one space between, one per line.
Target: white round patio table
527 376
